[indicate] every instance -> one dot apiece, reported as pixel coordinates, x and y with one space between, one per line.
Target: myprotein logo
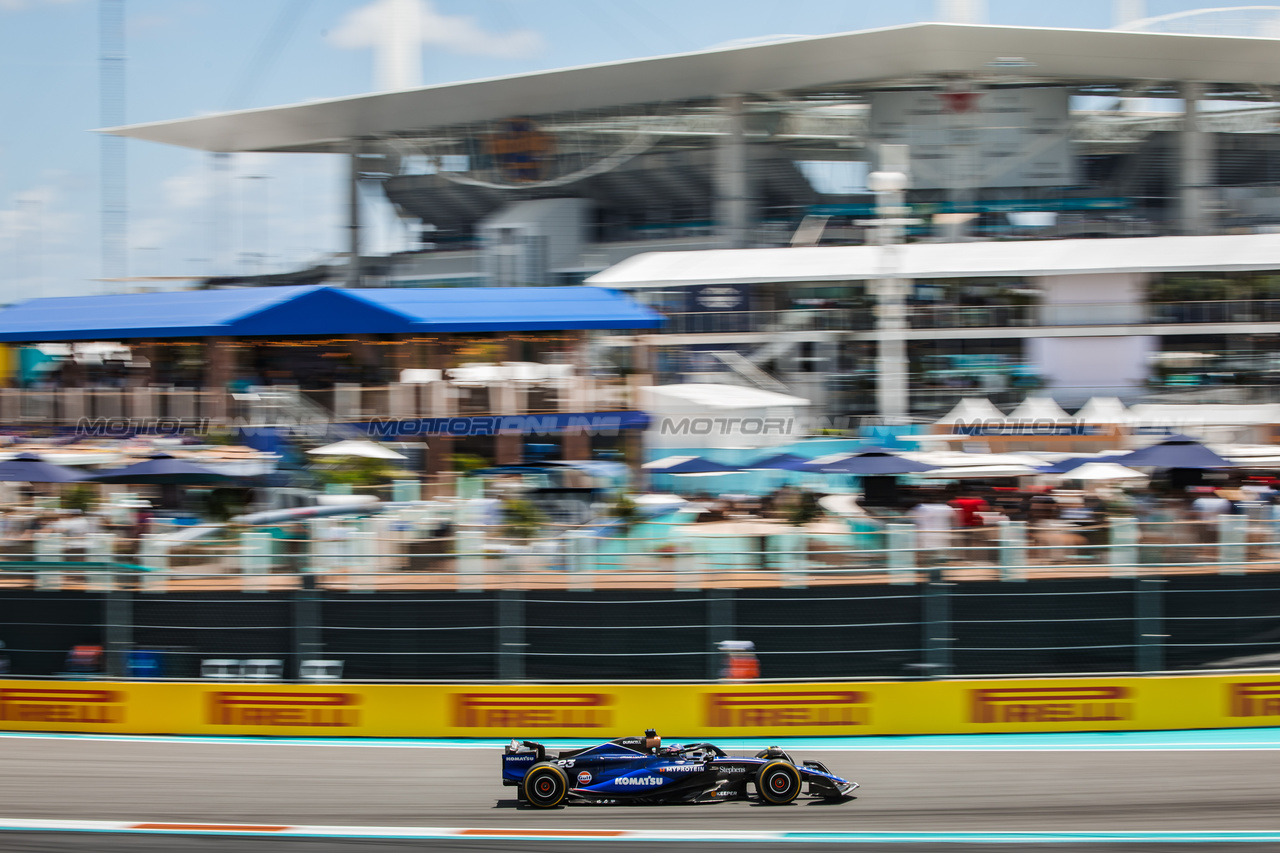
55 705
552 710
286 710
1050 705
801 708
1255 699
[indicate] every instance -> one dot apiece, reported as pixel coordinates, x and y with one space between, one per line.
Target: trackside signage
61 706
532 710
768 711
1050 705
283 710
1256 699
679 711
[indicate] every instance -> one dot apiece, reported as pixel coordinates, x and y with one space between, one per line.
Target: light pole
890 291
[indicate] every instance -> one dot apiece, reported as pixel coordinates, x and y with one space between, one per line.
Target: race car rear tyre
545 786
778 782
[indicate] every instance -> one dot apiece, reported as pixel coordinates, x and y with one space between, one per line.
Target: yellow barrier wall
589 711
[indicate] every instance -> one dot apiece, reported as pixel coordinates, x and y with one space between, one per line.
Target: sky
285 211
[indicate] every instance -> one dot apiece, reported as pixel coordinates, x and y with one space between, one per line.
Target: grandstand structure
1009 132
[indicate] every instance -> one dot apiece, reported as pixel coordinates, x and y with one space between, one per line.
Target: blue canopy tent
1176 451
873 462
30 468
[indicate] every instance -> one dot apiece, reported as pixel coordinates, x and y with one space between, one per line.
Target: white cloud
385 21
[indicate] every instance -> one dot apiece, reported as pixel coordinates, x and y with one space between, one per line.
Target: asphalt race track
1063 790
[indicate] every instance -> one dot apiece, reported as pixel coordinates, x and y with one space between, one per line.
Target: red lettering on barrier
532 710
1049 705
57 705
248 708
785 709
1253 699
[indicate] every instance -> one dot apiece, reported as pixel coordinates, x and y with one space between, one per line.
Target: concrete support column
1196 176
218 372
353 214
890 291
733 192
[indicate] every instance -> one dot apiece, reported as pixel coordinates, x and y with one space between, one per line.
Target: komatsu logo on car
1050 705
791 708
645 781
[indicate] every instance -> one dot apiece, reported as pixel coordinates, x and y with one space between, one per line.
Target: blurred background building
1148 154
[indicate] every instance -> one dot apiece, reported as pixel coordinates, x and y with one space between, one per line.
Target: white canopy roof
1205 414
356 447
1039 409
714 396
1104 410
972 409
911 52
947 260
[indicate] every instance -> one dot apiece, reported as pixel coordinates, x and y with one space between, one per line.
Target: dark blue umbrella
164 470
873 462
30 468
687 465
1176 451
780 462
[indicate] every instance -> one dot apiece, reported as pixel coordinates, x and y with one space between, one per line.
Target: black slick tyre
545 786
778 782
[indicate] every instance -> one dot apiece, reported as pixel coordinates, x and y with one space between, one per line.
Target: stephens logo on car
528 710
790 708
1050 705
584 778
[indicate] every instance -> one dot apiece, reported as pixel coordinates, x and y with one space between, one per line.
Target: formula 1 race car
641 770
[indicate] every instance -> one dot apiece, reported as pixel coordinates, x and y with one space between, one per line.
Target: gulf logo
584 778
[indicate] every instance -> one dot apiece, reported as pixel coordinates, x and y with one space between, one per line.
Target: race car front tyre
778 782
545 786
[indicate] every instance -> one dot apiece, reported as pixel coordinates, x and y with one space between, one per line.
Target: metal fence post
720 627
794 555
582 560
902 552
937 625
510 635
1122 550
1149 624
1231 544
307 640
48 549
117 624
1013 550
255 560
470 558
153 555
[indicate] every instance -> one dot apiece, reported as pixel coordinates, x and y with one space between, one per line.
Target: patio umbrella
688 465
30 468
161 469
869 463
780 462
1176 451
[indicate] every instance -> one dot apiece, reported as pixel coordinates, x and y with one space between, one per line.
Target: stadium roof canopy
1014 258
311 310
917 52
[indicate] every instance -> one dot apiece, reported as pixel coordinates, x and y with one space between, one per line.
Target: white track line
651 835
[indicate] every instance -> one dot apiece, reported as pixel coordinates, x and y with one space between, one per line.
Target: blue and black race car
642 770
